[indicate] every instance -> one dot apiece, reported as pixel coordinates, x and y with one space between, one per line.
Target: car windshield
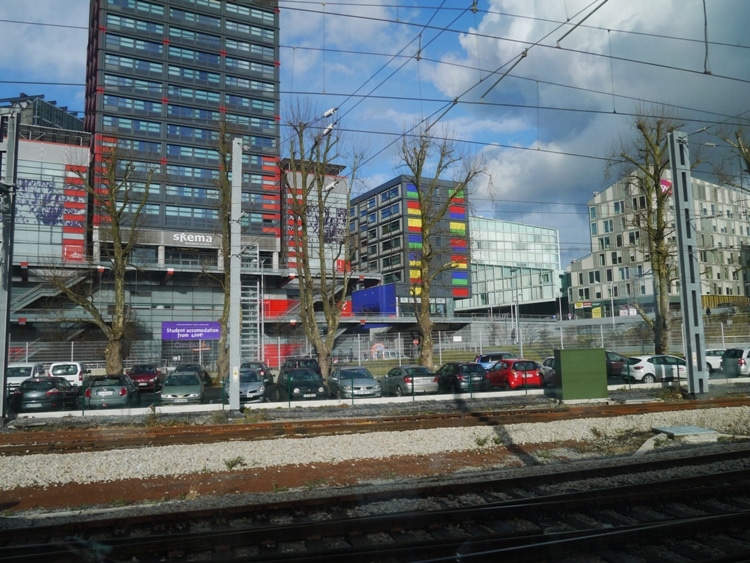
182 379
19 372
418 371
633 361
524 366
105 381
37 385
355 374
303 375
249 376
65 370
143 370
470 368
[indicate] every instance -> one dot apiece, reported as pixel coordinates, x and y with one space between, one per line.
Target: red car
513 373
146 376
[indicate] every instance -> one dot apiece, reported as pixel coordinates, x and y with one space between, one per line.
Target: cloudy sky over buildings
541 90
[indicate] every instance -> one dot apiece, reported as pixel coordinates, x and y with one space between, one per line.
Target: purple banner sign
174 330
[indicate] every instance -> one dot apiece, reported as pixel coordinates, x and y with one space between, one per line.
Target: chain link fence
533 338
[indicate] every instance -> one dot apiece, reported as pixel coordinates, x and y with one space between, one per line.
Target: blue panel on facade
379 300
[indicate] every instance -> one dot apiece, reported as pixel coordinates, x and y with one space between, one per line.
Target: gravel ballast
89 467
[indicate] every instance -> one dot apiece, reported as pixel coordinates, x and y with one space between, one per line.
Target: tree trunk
113 356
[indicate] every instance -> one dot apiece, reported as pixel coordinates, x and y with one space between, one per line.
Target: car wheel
648 378
507 386
398 391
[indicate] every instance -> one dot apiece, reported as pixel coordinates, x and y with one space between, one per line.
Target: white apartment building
617 274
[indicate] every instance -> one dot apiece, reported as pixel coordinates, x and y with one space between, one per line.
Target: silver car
182 387
408 380
252 386
102 391
356 382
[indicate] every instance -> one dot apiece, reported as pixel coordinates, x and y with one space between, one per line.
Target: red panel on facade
460 292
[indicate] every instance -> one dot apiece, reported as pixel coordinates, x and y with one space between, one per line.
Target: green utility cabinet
582 374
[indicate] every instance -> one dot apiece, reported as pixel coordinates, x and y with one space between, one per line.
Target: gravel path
49 469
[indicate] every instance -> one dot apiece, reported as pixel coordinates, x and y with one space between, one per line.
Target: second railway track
689 506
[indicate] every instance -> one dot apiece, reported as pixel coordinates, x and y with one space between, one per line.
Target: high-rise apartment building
163 78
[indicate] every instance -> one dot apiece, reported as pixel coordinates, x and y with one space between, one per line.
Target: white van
74 372
18 372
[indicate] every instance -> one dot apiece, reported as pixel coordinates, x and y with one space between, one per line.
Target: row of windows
141 67
153 9
137 25
115 103
233 9
372 202
389 245
136 126
140 45
151 87
196 37
135 65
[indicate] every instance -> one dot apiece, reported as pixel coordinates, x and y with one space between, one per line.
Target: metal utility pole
687 250
235 281
9 146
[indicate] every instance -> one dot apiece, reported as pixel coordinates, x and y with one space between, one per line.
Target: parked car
353 382
658 367
182 387
736 362
300 362
74 372
18 371
252 386
713 359
514 373
297 384
549 372
491 358
615 363
44 394
146 376
100 391
409 380
260 367
457 376
197 369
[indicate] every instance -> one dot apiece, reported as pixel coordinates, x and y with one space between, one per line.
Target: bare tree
442 175
224 207
644 161
318 213
118 190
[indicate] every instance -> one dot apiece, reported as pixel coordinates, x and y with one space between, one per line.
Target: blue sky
543 131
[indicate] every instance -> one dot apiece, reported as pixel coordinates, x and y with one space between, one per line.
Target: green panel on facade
583 374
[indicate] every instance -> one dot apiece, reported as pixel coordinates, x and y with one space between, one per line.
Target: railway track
99 439
688 506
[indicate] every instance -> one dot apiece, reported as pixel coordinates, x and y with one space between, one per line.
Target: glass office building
513 264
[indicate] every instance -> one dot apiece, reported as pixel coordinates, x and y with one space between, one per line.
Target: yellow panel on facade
457 227
415 290
415 222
